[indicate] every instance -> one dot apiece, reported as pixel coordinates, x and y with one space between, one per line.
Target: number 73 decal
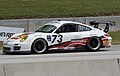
58 38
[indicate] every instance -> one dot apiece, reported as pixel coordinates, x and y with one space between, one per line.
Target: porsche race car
59 35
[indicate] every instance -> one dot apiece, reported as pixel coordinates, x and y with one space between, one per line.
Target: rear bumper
106 42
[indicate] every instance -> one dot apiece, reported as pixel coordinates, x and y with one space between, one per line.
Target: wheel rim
94 43
39 46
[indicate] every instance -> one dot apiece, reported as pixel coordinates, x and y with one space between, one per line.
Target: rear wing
107 23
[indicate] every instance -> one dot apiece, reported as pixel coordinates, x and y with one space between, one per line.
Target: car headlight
23 38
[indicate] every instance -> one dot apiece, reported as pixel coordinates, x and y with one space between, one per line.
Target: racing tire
39 46
93 44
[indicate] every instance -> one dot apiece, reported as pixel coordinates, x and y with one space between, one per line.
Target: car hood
29 34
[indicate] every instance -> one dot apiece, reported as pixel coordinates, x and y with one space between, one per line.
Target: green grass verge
1 44
14 9
115 37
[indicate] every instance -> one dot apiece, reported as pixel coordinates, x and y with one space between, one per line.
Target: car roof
59 23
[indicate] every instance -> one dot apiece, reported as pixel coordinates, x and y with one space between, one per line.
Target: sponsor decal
68 46
6 34
93 34
48 37
79 40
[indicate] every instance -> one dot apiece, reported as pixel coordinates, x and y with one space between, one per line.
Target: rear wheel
93 44
39 46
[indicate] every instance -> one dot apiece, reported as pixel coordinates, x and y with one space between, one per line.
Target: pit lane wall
98 67
33 24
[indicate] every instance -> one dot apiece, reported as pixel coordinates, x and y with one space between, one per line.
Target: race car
59 35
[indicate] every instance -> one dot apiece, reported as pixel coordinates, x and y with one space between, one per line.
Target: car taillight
107 35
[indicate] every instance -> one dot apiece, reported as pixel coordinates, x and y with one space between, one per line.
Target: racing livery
58 35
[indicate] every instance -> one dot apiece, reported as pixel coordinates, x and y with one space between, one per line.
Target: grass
18 9
115 37
1 44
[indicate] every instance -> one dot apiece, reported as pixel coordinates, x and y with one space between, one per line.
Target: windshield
46 29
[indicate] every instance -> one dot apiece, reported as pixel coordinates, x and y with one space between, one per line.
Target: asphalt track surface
113 48
105 53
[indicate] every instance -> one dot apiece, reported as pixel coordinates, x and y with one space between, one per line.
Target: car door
63 34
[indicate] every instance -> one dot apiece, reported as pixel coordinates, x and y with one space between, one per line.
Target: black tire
39 46
93 44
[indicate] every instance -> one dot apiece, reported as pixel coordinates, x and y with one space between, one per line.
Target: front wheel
39 46
93 44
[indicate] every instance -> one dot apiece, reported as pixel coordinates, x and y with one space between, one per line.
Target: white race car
59 35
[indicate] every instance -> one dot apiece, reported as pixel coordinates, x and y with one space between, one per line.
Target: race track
105 53
113 48
106 62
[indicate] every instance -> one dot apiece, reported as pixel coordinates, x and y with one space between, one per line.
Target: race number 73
57 37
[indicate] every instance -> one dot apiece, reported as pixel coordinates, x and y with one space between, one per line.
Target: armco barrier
36 23
99 67
22 23
33 24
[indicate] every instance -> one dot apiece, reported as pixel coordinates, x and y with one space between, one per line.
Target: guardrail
33 24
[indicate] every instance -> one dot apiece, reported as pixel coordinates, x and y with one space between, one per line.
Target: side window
83 28
66 28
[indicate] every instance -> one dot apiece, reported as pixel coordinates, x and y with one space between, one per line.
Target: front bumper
9 47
